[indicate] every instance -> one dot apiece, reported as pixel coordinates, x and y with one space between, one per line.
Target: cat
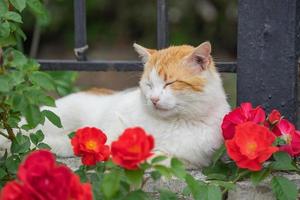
180 101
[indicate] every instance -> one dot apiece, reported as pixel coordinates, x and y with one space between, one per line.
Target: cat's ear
143 52
200 57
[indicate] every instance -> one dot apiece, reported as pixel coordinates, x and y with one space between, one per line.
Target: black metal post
268 53
162 24
80 30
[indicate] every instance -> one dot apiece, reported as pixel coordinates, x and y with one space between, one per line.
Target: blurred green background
113 26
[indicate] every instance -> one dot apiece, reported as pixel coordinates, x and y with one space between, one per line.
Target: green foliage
178 168
23 89
110 185
283 161
64 82
18 4
135 177
283 188
52 117
257 177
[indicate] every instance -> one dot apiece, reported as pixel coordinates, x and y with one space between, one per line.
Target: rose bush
258 146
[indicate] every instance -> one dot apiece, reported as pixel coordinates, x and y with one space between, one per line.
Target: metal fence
268 49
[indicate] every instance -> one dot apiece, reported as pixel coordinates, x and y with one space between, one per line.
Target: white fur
185 124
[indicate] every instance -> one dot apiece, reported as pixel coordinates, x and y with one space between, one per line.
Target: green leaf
257 177
167 195
21 144
40 135
213 193
8 41
13 16
12 164
4 29
20 32
3 7
18 58
219 171
13 121
52 117
16 77
283 161
218 154
155 175
279 141
71 135
135 176
3 173
178 168
110 185
18 4
158 159
31 65
283 188
145 166
163 170
43 80
81 172
34 138
194 186
4 84
46 100
43 146
32 114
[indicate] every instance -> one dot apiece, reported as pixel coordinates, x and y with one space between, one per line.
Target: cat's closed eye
149 85
169 83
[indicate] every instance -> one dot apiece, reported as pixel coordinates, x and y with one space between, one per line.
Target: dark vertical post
162 24
268 53
80 30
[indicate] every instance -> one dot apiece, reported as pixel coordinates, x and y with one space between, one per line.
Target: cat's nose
154 99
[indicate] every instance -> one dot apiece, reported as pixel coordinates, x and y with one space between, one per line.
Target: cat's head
175 78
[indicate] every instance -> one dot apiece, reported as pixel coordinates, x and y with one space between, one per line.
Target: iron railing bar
162 24
100 65
80 30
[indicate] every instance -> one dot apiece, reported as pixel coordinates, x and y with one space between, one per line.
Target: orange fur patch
171 66
100 91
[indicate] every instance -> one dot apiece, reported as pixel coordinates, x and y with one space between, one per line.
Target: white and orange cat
180 101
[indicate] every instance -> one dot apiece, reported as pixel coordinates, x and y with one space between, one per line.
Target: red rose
286 130
251 146
40 178
133 147
241 114
274 117
43 178
14 191
89 143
